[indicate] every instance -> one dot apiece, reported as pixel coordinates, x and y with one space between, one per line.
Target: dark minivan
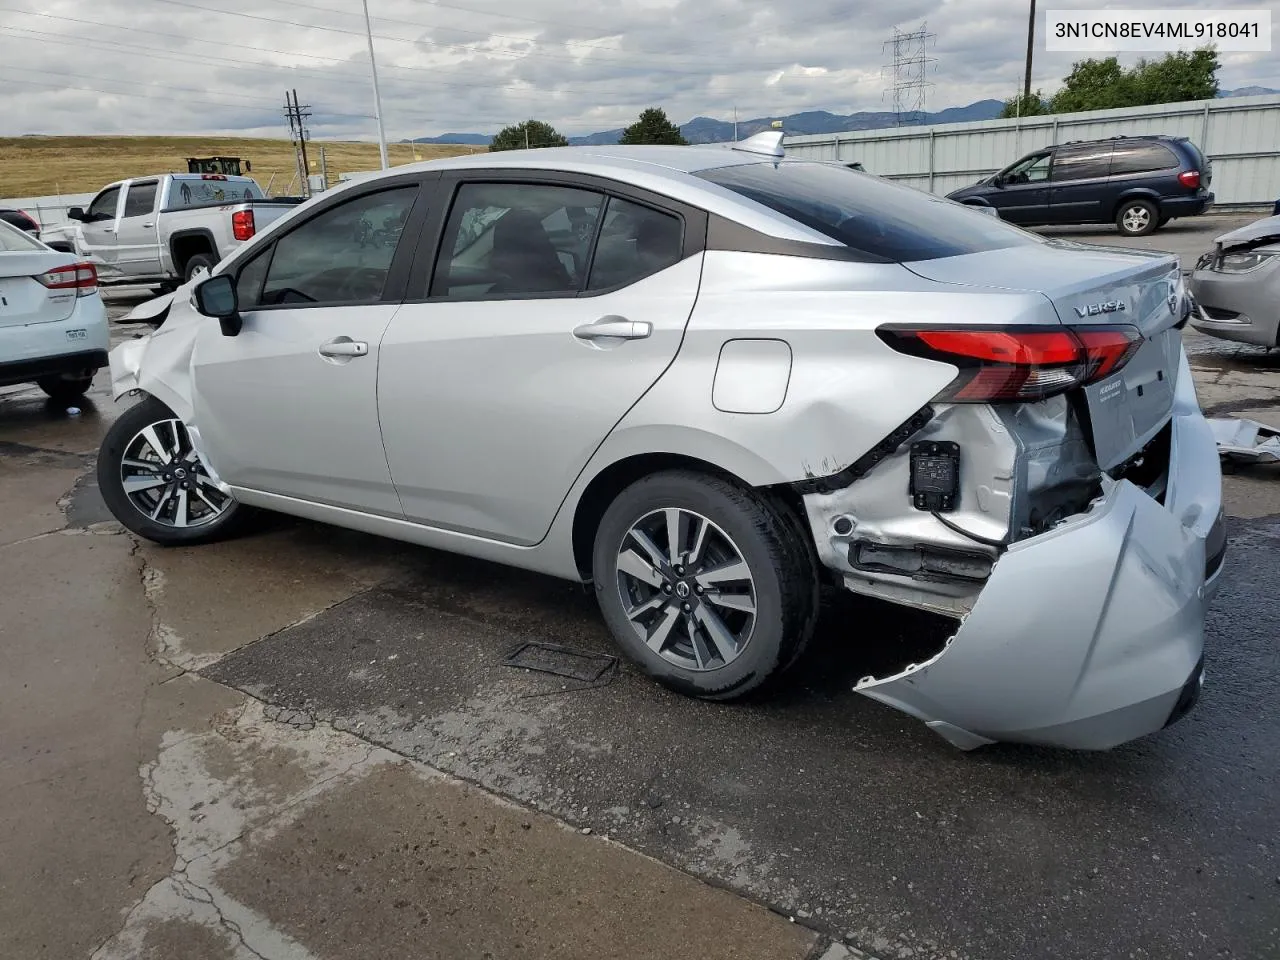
1137 183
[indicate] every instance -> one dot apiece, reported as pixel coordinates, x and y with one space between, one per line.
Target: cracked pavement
304 744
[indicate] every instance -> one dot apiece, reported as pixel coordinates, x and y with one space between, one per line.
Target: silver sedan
1236 286
707 380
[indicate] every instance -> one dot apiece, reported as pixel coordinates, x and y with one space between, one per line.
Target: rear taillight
80 277
242 227
1189 179
1018 364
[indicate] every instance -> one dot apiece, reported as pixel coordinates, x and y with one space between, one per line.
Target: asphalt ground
835 812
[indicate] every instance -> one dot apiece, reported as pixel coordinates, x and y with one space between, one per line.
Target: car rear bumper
1186 206
77 344
1089 635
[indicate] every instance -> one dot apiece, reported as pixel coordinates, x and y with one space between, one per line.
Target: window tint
877 218
249 282
635 241
140 200
1031 170
1084 162
1142 157
341 255
515 240
195 192
105 204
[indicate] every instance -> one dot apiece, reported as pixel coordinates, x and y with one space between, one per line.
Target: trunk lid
23 299
1095 286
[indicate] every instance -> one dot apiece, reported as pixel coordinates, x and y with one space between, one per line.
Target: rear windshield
868 214
1197 157
198 191
13 240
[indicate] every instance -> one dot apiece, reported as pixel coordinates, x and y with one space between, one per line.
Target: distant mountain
709 130
1247 92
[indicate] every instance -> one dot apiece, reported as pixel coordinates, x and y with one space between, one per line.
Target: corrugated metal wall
1240 136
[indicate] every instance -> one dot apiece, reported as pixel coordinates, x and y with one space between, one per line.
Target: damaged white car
705 380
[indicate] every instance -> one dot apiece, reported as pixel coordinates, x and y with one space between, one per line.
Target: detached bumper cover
1089 635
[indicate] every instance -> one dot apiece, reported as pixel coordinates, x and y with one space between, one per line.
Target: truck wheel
154 483
201 263
704 584
65 389
1137 218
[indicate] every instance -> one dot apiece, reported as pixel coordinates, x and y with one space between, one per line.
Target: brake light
1189 179
212 176
1018 364
80 277
242 226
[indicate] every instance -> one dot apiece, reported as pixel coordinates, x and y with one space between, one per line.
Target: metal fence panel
1239 135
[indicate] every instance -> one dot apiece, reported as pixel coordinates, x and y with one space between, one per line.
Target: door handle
344 347
147 226
614 328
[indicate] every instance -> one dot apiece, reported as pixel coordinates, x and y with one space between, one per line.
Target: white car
53 323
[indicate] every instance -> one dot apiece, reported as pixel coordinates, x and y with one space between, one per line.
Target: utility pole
377 97
1031 42
526 135
298 133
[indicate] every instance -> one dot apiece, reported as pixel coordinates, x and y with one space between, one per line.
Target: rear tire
169 499
200 262
725 612
1137 218
65 389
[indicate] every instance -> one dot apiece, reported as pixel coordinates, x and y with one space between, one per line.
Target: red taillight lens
242 227
80 277
1189 178
1019 365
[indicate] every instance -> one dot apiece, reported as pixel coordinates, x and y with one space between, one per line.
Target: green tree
653 127
1095 85
1103 84
1177 77
1033 106
530 133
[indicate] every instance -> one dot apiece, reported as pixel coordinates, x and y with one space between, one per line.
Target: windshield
13 240
867 213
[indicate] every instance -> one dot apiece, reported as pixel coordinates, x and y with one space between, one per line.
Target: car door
137 246
98 228
1080 189
289 405
1022 190
554 304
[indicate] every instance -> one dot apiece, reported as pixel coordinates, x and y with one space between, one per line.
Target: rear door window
140 200
635 242
879 219
1084 162
1142 158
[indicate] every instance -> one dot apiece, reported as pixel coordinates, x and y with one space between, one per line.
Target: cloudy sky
221 66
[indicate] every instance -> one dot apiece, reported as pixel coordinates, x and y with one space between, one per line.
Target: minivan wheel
1137 218
155 484
706 585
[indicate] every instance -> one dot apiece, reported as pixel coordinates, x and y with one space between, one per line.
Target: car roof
1164 137
666 170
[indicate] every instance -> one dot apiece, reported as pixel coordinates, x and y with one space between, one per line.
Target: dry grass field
38 166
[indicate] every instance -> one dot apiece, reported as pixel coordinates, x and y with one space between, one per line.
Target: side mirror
998 180
216 297
76 213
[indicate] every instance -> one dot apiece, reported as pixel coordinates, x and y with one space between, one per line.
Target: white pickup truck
163 230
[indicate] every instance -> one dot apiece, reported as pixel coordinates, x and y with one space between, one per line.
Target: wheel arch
185 244
1136 193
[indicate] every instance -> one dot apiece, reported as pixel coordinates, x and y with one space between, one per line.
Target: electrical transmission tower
909 63
299 134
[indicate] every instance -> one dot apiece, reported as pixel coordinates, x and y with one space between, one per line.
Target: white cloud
164 66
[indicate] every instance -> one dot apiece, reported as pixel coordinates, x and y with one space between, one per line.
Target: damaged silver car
1236 286
706 380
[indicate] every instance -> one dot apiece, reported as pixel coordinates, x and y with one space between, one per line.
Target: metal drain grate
561 661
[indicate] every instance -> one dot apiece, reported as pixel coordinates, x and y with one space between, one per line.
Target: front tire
708 586
65 389
154 483
1137 218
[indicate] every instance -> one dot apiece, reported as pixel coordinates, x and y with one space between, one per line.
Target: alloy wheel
165 481
1136 219
686 589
